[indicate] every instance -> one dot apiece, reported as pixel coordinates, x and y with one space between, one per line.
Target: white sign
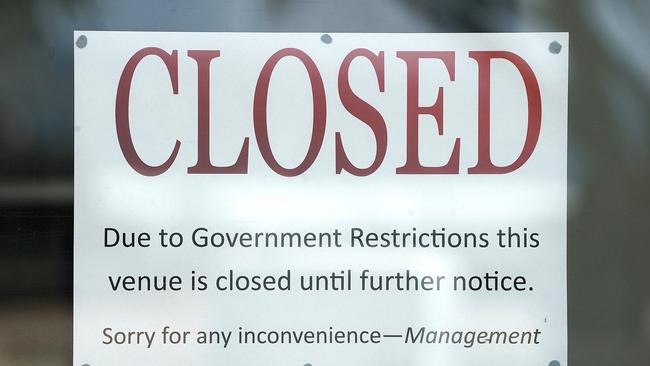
344 199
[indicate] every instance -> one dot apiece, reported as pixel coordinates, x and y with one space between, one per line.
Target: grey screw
555 47
327 39
554 363
82 41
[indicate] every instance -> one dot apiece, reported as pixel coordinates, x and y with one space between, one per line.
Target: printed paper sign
345 199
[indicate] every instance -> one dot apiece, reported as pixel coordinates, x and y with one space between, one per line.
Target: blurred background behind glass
609 151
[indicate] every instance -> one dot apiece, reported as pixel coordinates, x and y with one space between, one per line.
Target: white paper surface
109 193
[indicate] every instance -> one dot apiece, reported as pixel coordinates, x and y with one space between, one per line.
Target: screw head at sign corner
554 363
82 42
555 47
